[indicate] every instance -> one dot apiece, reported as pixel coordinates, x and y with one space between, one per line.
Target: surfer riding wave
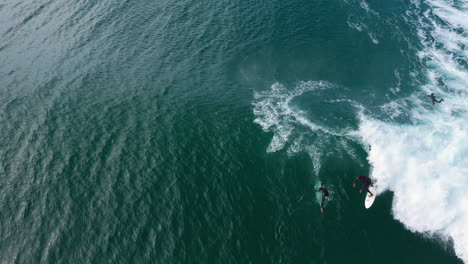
366 181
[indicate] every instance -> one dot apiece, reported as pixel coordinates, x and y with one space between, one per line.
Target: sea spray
425 163
293 130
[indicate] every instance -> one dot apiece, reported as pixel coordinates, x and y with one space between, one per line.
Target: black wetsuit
324 195
434 100
366 181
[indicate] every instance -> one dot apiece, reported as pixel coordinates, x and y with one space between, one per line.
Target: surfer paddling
434 100
366 182
324 196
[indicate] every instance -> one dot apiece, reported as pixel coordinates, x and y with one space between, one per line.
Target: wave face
416 150
425 163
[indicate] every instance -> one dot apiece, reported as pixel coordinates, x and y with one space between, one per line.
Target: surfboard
370 200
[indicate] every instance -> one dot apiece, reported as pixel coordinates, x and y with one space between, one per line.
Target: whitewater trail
291 126
425 163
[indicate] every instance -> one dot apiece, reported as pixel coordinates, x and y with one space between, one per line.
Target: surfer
324 196
434 100
366 181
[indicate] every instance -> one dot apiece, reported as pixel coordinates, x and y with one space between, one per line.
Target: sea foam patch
292 128
274 113
425 163
426 167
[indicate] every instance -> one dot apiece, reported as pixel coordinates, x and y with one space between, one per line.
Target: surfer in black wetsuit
366 181
324 195
434 100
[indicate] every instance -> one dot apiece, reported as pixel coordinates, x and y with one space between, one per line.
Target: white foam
395 109
456 17
396 89
356 25
425 163
292 129
361 27
273 112
373 38
426 168
366 7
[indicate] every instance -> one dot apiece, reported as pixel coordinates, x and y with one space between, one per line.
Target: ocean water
198 131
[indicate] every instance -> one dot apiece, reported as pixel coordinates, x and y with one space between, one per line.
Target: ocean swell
425 163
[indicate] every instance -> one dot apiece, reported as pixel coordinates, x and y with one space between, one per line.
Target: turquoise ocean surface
140 131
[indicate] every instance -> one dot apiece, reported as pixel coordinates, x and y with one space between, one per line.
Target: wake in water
424 162
318 194
277 111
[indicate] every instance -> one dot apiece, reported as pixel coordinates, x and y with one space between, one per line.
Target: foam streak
425 164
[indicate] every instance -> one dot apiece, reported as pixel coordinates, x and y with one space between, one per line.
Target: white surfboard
370 200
